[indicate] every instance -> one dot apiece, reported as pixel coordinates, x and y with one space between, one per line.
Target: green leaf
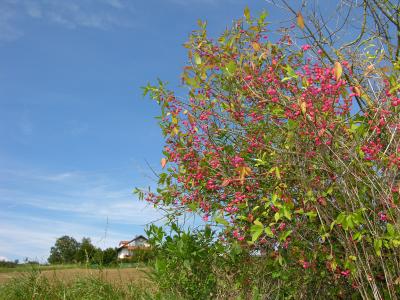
221 220
277 216
390 229
329 191
292 124
340 218
268 232
285 235
396 243
312 215
349 222
256 230
247 13
230 67
258 223
197 59
286 213
378 247
290 73
357 236
193 206
273 198
277 173
280 260
186 263
192 82
263 15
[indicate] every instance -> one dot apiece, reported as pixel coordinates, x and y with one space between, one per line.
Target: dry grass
78 284
115 275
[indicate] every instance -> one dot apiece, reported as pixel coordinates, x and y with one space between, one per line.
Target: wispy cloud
38 206
17 240
202 2
72 14
25 124
115 3
76 128
85 195
8 32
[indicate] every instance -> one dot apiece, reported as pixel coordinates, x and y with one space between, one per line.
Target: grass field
72 282
27 267
69 273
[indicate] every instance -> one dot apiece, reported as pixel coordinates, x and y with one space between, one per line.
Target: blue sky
75 132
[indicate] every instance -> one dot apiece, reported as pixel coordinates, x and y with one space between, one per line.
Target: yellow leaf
163 162
191 118
175 131
243 172
303 107
300 20
247 13
256 46
337 70
357 90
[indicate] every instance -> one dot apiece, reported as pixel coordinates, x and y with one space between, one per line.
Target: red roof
124 244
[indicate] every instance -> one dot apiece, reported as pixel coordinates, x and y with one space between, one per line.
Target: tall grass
33 285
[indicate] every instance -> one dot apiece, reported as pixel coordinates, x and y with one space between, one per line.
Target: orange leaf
191 118
357 90
300 20
337 70
369 70
243 172
163 162
226 182
256 46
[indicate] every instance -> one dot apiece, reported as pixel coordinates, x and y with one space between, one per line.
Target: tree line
67 250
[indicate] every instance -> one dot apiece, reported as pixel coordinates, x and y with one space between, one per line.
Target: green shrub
290 152
140 255
29 285
184 262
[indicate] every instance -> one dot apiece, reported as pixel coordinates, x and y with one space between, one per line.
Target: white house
126 248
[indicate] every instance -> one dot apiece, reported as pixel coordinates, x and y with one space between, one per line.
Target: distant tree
105 257
7 264
64 250
86 251
109 256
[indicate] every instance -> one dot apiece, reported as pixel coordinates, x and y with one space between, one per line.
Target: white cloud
115 3
37 207
8 32
71 14
33 9
87 195
34 241
202 2
3 258
59 177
